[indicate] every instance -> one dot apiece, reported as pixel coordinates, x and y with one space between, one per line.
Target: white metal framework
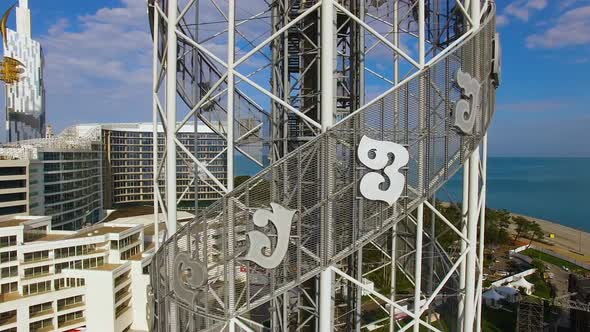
298 87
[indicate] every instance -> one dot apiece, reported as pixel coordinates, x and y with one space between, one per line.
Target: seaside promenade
568 241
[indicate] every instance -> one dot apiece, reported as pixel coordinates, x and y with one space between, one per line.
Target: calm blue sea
555 189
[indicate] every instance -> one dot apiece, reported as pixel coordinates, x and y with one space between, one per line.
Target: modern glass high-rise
25 99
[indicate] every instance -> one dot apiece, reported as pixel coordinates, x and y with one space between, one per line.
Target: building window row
40 309
122 308
36 256
11 271
35 233
69 302
68 283
120 279
7 317
42 325
75 251
71 318
37 288
37 271
9 287
13 170
8 256
130 253
69 155
80 264
76 194
11 184
121 293
7 241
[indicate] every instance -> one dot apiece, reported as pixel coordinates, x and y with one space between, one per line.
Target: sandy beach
568 241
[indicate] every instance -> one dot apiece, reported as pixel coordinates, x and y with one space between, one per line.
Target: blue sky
98 69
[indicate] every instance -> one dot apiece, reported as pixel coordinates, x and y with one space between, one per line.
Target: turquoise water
556 189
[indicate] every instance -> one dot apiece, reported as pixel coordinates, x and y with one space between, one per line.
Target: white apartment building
14 187
61 280
61 176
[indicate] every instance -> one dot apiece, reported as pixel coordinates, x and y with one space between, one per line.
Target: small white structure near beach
522 283
492 298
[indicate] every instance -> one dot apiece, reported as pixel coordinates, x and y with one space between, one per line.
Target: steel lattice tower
357 113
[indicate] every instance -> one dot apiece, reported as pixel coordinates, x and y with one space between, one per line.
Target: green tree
535 233
504 221
523 226
501 222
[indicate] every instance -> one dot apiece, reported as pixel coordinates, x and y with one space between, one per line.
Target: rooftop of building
150 230
106 267
103 229
144 215
52 237
140 127
70 139
12 222
120 221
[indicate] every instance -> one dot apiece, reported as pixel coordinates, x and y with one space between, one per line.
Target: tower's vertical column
360 49
171 67
327 106
462 266
482 227
171 55
418 267
231 33
472 214
396 120
422 145
155 127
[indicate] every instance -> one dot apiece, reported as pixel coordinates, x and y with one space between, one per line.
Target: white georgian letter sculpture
189 275
281 218
466 111
375 155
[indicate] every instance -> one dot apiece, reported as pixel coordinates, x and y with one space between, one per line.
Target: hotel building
61 280
128 165
58 177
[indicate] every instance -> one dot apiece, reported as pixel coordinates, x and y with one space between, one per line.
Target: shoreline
568 241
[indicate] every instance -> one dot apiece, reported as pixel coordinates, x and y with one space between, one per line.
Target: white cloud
567 3
521 10
571 29
501 20
98 66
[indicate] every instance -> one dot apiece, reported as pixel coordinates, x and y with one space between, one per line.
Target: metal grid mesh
418 114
